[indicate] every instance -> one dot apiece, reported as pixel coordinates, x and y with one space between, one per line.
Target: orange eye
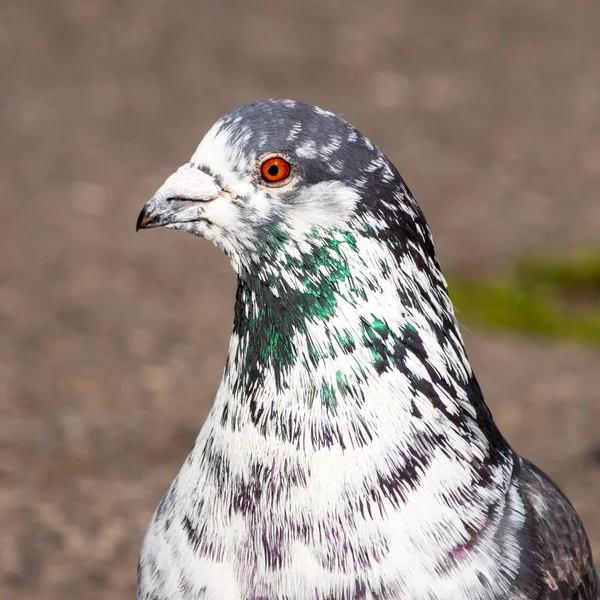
275 169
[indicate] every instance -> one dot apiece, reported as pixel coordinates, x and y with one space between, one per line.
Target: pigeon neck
335 332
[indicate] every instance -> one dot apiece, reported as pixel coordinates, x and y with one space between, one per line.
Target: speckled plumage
349 453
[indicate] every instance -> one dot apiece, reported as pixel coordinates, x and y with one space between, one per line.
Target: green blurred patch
552 298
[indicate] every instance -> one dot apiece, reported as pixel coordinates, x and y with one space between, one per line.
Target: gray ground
112 343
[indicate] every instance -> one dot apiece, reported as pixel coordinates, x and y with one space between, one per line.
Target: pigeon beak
179 200
159 212
156 213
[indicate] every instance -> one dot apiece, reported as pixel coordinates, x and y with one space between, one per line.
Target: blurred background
112 344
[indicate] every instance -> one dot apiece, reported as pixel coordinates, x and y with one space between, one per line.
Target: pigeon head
278 178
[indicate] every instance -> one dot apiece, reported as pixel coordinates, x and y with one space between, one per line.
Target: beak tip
144 219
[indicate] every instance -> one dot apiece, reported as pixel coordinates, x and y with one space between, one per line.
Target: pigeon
349 453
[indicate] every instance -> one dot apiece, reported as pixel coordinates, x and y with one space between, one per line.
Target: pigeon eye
275 170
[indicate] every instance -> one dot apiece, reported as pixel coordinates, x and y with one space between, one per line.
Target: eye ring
274 170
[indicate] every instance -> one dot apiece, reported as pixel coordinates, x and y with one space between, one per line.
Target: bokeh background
112 344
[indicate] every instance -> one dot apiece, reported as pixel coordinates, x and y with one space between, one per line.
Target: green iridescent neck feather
303 287
274 305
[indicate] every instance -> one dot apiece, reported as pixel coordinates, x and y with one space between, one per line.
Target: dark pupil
273 170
